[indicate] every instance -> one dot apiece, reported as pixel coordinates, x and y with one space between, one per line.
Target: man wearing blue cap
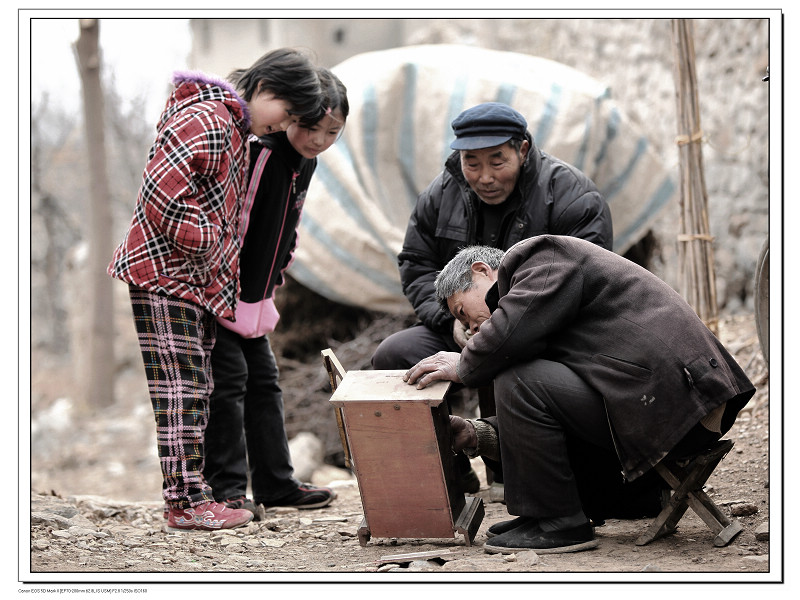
497 188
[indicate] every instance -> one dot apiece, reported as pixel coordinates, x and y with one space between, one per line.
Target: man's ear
481 268
523 149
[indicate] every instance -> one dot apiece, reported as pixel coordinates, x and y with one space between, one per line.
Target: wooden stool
687 478
397 439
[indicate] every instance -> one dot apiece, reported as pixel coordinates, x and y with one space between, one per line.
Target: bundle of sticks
695 242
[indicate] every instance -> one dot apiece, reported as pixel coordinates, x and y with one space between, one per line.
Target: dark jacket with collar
556 198
273 205
625 332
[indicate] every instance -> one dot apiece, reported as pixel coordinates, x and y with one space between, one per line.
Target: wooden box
398 441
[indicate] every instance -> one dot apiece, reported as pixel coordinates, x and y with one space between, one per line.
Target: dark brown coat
624 331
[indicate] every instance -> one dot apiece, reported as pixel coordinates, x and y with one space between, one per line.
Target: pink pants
176 338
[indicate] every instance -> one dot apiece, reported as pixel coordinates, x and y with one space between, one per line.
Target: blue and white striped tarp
397 138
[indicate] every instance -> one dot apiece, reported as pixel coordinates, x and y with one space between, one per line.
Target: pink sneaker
207 517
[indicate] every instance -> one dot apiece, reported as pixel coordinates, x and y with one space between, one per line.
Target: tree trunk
98 375
695 250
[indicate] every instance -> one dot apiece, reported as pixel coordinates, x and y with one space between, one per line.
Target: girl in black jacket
246 434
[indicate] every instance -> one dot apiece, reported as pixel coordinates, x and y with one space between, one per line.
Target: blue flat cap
487 125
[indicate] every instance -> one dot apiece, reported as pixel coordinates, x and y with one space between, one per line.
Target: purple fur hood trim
201 78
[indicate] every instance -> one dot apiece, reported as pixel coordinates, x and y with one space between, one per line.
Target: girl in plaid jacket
180 254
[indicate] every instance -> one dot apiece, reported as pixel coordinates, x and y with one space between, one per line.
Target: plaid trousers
176 338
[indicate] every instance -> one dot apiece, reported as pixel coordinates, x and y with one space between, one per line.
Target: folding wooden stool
397 440
686 479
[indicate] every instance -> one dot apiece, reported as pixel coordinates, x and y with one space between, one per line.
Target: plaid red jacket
183 240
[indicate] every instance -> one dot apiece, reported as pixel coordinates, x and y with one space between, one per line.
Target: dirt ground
91 522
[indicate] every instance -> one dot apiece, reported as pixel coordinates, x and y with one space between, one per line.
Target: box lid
388 386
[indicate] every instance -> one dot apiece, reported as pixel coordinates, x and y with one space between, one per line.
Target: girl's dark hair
289 75
334 95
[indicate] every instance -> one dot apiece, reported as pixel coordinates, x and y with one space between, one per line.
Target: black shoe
531 537
503 526
240 502
304 497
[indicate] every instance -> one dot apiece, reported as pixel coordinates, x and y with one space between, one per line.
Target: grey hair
516 144
457 274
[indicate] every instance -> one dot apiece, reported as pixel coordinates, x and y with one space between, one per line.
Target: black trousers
403 349
557 452
539 404
245 433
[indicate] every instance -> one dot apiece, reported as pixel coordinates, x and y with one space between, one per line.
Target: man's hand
439 367
461 334
462 433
